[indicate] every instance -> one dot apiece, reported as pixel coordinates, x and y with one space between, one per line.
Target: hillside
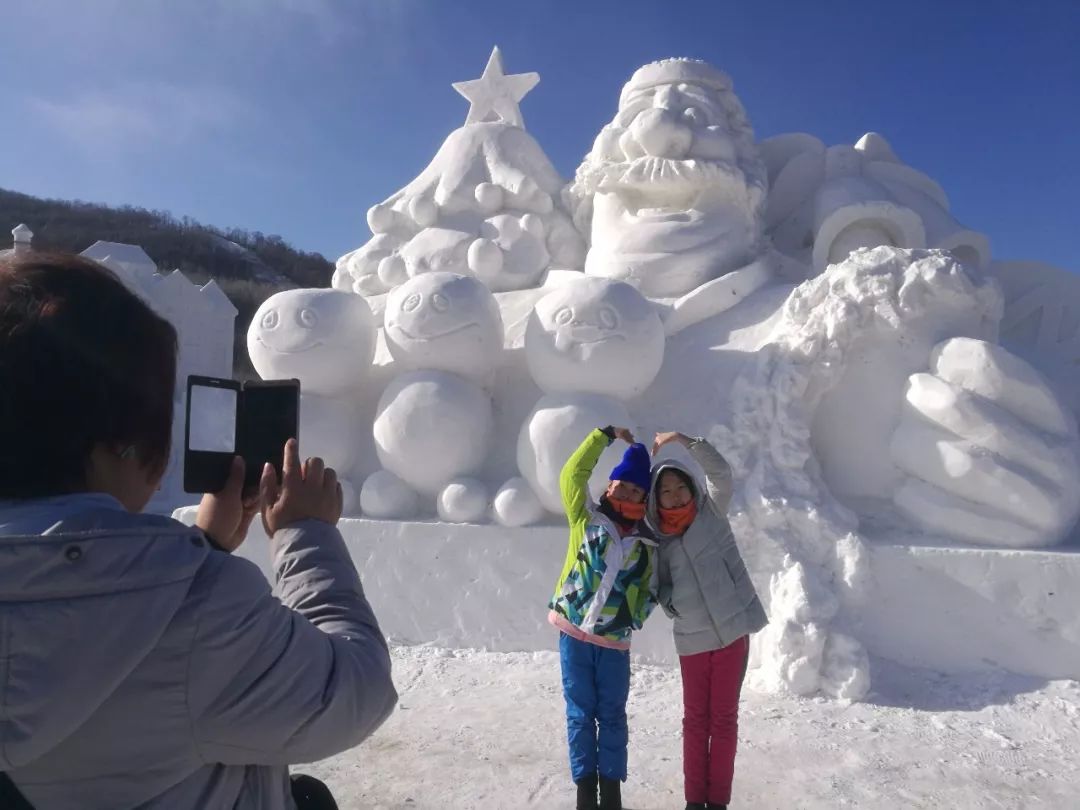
249 266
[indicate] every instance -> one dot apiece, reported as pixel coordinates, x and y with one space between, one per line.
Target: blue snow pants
596 684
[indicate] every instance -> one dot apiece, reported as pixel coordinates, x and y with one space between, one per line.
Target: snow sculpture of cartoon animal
325 339
590 346
434 422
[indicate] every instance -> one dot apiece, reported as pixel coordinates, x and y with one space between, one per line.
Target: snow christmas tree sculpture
487 205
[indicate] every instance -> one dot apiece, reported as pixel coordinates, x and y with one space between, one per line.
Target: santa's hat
675 71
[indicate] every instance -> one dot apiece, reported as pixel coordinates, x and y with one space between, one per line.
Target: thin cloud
147 114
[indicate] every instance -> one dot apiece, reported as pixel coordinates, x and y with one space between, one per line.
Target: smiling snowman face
324 338
447 322
594 336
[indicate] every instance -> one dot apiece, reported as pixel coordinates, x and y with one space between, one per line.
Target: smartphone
269 417
226 418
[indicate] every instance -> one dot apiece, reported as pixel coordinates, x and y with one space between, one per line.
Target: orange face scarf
676 521
630 511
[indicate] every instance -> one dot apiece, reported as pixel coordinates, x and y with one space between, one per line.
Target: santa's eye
564 316
440 302
308 318
411 303
608 318
270 319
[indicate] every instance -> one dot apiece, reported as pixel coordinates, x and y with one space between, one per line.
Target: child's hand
667 438
624 434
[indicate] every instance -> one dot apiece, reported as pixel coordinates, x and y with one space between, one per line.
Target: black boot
586 793
696 806
610 794
311 794
711 806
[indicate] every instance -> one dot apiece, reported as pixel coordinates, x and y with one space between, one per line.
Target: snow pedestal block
952 609
964 609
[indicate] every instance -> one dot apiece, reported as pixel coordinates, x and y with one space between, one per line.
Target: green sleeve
574 479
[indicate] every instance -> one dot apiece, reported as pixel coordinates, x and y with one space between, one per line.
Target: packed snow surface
487 730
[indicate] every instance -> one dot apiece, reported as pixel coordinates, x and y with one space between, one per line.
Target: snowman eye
270 319
440 302
608 318
411 303
308 318
694 115
564 316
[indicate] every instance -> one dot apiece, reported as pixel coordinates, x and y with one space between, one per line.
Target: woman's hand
225 516
667 438
623 433
308 491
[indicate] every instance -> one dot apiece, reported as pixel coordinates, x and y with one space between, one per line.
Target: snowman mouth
307 348
566 340
435 336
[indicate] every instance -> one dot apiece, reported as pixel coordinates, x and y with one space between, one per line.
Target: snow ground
485 730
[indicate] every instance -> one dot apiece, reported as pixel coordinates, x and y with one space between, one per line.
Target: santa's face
672 204
594 336
444 321
324 338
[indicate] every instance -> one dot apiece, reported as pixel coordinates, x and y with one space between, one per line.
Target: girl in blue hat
604 593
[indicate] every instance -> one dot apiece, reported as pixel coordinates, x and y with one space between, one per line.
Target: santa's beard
666 182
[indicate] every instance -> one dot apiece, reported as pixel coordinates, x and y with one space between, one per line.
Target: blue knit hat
634 466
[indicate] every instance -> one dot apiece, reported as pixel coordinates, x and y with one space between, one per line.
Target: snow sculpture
445 321
848 363
991 455
590 346
488 205
434 422
640 199
826 202
673 191
325 339
871 399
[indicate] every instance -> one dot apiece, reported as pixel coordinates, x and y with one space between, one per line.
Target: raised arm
574 478
717 473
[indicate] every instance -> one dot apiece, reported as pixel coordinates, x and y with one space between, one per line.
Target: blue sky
294 116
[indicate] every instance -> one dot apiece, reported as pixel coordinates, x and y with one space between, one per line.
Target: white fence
203 318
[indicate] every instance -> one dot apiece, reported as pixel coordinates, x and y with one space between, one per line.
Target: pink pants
712 682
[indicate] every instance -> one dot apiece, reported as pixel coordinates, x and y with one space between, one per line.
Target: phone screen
212 420
271 416
211 433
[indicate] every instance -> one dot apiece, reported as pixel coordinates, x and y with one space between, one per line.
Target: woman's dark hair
684 476
83 361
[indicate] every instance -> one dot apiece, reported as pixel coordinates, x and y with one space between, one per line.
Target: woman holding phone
145 665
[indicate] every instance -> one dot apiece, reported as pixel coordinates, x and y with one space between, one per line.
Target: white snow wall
951 609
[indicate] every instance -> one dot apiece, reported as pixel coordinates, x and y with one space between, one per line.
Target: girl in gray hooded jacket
706 590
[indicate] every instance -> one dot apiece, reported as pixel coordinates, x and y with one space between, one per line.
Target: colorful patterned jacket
607 586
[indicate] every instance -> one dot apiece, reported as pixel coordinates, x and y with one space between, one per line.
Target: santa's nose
661 134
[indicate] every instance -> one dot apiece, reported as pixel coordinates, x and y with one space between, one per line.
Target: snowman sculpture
434 421
325 339
591 346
